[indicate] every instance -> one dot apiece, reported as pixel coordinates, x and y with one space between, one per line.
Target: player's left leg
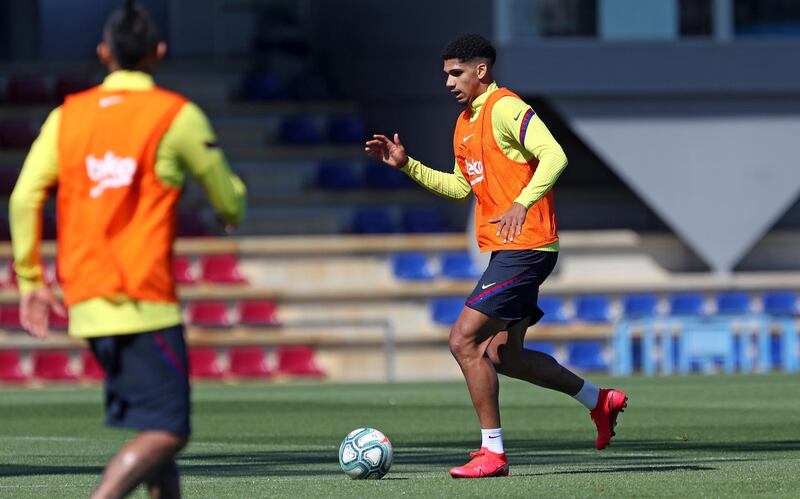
165 482
469 337
143 457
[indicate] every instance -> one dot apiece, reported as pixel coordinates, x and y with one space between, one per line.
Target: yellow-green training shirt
539 144
188 146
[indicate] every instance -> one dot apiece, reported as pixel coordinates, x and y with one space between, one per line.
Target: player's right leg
511 358
147 389
165 483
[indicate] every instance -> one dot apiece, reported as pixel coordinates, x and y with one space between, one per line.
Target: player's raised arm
393 153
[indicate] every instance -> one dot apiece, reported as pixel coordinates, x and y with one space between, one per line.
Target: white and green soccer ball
365 453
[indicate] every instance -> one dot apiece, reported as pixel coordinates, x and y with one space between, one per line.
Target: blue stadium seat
261 86
373 221
781 303
412 266
594 308
381 176
347 129
640 305
299 130
423 221
706 347
686 304
336 176
459 265
733 303
309 87
446 310
553 308
586 355
547 347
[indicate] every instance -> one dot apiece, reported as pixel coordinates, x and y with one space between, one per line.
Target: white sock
493 439
588 395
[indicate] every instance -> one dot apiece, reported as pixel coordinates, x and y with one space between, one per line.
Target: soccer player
507 157
119 154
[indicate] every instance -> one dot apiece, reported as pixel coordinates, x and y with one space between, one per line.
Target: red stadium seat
57 322
249 362
9 317
203 363
182 270
53 365
66 85
221 269
298 361
11 367
90 368
209 314
24 90
12 275
258 313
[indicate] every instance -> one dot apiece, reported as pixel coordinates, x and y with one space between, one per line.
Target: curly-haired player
505 155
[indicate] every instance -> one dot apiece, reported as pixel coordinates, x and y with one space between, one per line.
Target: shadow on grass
653 457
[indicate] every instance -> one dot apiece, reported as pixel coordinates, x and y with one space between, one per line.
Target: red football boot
609 405
484 464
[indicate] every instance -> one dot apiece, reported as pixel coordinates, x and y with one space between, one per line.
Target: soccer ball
365 453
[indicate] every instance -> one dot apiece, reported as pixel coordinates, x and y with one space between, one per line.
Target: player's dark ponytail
131 34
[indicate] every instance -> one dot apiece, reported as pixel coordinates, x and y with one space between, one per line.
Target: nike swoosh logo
109 101
467 137
517 116
496 436
488 285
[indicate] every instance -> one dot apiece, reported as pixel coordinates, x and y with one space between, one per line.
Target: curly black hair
131 34
468 47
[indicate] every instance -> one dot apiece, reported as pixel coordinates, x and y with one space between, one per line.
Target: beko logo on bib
474 167
110 171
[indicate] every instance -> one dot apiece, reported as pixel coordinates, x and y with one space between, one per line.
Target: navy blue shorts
509 288
147 380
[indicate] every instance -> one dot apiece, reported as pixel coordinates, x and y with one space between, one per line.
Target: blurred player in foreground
119 154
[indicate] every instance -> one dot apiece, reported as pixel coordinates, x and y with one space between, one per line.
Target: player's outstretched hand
34 311
390 152
509 224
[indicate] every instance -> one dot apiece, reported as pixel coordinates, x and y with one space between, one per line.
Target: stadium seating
190 225
691 304
594 309
90 368
11 367
26 90
781 303
547 347
298 361
182 270
248 362
586 355
212 314
221 269
459 265
411 266
639 305
704 348
259 86
299 131
57 322
204 364
423 221
383 177
347 129
258 313
373 221
53 365
309 87
733 303
445 311
336 176
16 134
554 310
66 85
9 317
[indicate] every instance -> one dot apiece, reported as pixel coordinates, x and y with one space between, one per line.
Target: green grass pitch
735 436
